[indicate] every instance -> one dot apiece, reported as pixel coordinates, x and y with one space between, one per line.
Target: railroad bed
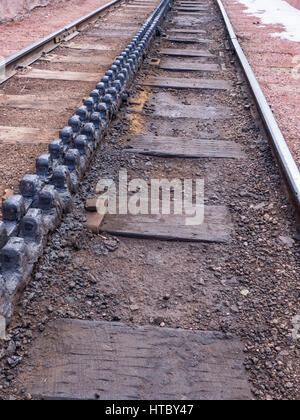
145 306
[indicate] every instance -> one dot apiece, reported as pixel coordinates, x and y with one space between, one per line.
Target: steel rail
34 51
278 142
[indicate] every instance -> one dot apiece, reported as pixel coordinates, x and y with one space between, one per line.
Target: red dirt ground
42 21
15 9
276 63
294 3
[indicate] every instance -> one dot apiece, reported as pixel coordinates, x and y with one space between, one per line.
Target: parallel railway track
33 52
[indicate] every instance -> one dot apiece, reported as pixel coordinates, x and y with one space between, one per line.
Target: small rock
2 353
284 353
13 362
269 365
11 348
260 205
134 308
244 194
38 276
29 335
234 309
111 245
157 321
287 241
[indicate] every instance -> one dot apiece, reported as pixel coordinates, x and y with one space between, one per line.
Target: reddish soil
42 21
16 9
294 3
275 62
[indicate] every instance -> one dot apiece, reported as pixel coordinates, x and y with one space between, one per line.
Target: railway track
208 290
40 99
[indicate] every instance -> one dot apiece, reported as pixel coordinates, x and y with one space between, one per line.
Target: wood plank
37 102
191 21
137 15
94 221
91 205
193 14
93 59
184 147
25 135
190 9
166 105
126 33
86 360
188 40
131 26
192 17
176 83
187 66
60 75
200 3
198 112
192 5
88 46
185 53
216 227
103 35
187 31
138 6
